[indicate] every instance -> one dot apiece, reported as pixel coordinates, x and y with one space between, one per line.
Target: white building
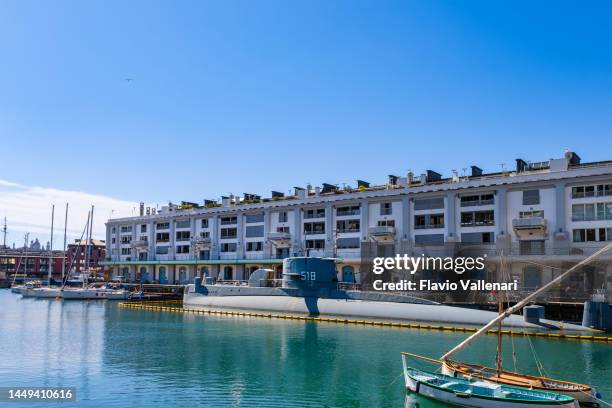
554 212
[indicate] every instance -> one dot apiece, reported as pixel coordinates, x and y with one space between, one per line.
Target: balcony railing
347 230
140 243
477 223
315 215
529 223
428 226
314 232
279 235
477 203
384 230
349 212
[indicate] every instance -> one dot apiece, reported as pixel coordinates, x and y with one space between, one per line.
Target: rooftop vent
433 176
328 188
210 202
572 158
476 171
521 165
251 197
392 180
277 194
361 183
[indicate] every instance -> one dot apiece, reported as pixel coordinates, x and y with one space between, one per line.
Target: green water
119 357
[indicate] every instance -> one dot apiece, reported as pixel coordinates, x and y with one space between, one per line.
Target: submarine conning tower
309 274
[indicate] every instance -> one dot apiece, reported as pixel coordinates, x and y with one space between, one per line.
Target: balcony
529 228
428 226
140 243
200 242
382 233
280 239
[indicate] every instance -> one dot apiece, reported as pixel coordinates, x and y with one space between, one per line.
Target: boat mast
523 302
51 247
65 230
4 232
500 309
88 247
25 254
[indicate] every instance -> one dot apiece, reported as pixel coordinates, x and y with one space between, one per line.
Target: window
144 238
162 250
351 210
477 218
229 233
429 221
429 239
386 208
126 239
113 240
204 234
347 226
254 231
183 235
163 226
254 246
315 244
477 238
282 216
345 243
531 197
126 228
531 214
113 230
183 224
592 234
254 218
228 247
599 190
182 249
283 229
604 211
428 203
162 237
204 223
229 220
314 228
126 251
386 223
531 247
474 200
314 213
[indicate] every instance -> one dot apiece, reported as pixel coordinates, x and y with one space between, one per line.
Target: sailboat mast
523 302
51 247
88 243
65 230
500 309
4 232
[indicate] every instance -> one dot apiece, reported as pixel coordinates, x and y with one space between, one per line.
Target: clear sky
253 96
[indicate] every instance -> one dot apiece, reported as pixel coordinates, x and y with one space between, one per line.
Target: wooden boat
584 394
478 393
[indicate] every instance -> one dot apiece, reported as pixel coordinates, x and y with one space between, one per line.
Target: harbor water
118 357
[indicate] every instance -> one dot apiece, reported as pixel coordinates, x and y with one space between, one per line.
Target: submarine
309 287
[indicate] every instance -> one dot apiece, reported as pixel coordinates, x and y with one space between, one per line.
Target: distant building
31 261
76 255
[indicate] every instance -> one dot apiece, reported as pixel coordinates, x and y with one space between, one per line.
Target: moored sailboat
582 393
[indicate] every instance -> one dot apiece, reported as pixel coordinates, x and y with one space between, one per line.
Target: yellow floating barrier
170 306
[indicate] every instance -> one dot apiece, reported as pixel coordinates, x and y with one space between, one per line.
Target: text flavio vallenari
413 264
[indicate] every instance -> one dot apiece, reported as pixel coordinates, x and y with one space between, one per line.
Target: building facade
76 256
30 263
541 216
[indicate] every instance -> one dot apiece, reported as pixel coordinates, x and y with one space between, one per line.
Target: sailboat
85 292
582 393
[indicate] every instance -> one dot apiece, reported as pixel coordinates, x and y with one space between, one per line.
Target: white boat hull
48 293
82 294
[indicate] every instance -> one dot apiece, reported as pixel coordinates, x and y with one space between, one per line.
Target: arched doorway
182 275
204 272
144 275
227 273
162 275
348 274
125 274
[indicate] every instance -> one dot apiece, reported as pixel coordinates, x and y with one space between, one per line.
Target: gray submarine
309 287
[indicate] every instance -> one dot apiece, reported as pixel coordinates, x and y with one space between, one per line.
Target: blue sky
253 96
